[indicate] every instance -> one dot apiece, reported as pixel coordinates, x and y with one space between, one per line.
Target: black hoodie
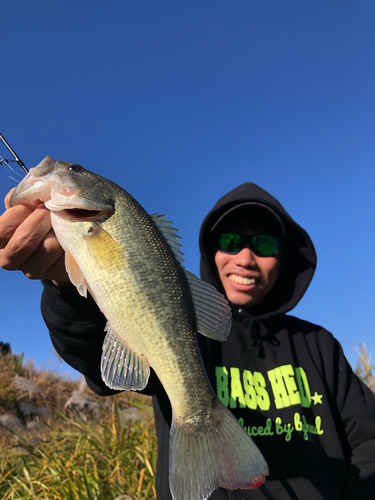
286 380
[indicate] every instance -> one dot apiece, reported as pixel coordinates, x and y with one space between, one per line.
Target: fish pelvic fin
75 274
212 311
122 368
221 454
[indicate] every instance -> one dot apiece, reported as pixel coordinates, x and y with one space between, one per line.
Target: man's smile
241 280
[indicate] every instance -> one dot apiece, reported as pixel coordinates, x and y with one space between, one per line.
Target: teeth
242 281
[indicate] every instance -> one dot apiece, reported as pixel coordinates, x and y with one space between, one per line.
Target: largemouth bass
131 263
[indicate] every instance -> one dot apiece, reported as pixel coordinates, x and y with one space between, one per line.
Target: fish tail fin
221 454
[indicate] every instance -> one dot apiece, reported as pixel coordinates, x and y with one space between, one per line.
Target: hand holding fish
28 243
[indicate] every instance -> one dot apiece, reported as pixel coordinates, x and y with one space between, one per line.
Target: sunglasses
263 245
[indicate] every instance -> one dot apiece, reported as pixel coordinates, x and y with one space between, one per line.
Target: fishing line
5 163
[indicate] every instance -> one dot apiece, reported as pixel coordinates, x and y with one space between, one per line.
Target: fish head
67 188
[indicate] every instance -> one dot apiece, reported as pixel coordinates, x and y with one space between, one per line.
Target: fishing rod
16 157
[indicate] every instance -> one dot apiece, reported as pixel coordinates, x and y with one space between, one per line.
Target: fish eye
73 168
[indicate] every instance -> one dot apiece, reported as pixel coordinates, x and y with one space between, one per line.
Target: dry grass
364 369
58 440
53 389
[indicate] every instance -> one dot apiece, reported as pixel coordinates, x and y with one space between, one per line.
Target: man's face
246 277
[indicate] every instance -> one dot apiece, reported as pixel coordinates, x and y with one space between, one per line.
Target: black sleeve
356 406
76 327
358 413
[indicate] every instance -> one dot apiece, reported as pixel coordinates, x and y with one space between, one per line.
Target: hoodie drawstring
255 332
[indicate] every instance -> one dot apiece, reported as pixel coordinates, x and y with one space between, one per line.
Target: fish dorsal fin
170 234
212 311
75 274
122 368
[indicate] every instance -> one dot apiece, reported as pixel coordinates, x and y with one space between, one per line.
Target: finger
12 218
47 262
57 272
26 238
8 205
7 199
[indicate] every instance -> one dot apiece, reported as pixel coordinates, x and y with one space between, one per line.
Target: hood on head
299 257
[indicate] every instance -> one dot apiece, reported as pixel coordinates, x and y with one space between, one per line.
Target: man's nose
245 258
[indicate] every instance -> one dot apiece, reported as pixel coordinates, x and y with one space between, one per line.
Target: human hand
28 243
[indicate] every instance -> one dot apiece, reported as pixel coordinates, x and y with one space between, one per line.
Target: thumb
33 204
7 198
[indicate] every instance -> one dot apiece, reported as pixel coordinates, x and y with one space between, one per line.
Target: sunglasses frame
247 239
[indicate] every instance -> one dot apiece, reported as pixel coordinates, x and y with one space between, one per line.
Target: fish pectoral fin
212 310
75 274
122 368
104 249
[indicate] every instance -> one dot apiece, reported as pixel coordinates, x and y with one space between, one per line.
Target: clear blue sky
180 102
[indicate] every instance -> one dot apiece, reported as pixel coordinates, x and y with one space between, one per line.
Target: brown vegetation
58 440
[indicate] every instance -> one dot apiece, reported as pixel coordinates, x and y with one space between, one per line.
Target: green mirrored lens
230 242
265 245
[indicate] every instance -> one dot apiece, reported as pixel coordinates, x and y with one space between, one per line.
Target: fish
131 263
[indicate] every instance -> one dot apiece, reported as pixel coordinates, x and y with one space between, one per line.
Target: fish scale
166 349
131 264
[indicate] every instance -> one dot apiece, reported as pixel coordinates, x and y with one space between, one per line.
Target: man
287 381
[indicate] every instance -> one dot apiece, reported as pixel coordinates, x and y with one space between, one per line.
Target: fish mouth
29 189
81 214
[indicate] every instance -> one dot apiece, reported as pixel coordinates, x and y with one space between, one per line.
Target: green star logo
317 398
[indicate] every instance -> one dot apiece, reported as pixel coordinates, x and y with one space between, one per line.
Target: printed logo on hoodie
288 387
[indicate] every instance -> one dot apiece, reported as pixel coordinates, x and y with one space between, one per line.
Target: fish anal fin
122 368
75 274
